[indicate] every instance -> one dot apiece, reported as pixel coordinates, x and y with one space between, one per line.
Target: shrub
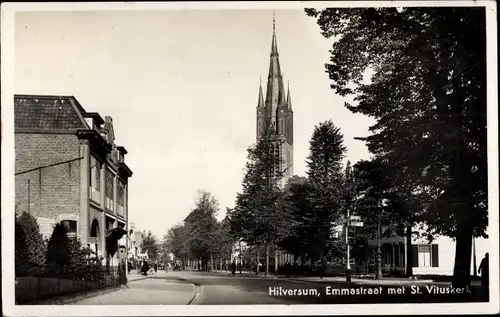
58 248
34 244
82 258
21 257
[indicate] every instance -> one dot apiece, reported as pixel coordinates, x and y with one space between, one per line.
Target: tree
176 242
299 241
202 228
21 253
58 248
150 245
35 245
428 96
225 237
261 214
324 162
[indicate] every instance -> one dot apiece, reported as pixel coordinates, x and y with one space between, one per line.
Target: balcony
95 195
109 204
120 210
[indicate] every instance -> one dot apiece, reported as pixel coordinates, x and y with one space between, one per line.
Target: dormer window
90 122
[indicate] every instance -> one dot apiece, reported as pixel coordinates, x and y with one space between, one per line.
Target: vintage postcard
249 158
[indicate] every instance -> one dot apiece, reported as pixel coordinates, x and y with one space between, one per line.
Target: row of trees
428 97
59 250
299 217
200 237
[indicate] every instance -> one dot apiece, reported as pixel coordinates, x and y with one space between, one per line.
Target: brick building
68 169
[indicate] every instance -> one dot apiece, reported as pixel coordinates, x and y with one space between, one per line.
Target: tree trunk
276 260
258 262
474 256
378 274
267 258
211 261
409 251
322 262
241 263
463 253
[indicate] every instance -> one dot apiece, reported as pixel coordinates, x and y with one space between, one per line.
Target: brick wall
54 190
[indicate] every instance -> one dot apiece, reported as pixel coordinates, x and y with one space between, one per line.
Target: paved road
146 292
216 289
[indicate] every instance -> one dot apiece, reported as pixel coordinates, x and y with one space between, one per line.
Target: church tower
276 110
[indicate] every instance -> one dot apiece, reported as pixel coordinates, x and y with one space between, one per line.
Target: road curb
78 297
196 287
86 295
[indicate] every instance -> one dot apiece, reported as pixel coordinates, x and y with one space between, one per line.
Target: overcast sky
181 87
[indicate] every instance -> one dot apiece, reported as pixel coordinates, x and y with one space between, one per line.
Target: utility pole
348 265
379 254
29 196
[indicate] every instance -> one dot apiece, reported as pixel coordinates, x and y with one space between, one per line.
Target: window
109 201
121 198
70 227
109 184
98 176
95 179
425 255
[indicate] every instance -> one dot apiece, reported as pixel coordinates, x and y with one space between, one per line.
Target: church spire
289 98
275 92
261 96
274 45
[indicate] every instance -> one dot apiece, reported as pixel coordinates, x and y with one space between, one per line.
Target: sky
182 88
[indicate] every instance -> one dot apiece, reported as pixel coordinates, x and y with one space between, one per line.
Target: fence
38 283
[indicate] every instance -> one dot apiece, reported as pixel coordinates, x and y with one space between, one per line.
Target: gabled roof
42 112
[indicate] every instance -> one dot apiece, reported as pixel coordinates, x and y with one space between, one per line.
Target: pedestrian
145 268
233 268
484 269
156 267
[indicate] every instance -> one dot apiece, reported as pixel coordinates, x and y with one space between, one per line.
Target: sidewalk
342 279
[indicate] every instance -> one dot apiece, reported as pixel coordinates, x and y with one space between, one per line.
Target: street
201 288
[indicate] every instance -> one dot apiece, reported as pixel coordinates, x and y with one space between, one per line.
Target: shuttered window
414 253
435 255
425 255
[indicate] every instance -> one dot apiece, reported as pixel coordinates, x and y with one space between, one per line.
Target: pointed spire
274 21
289 98
261 96
274 45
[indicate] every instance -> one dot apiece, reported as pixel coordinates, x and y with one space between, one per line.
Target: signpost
351 221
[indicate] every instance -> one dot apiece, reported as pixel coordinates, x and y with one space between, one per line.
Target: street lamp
379 251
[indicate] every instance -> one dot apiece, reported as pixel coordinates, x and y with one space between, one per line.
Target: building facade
68 169
428 258
276 111
136 236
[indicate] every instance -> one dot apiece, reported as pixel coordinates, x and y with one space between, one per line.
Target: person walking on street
156 267
484 269
145 268
233 268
